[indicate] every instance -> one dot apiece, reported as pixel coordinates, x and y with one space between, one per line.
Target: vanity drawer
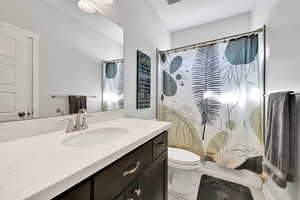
115 178
160 144
152 184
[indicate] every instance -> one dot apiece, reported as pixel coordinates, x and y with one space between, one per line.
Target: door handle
21 114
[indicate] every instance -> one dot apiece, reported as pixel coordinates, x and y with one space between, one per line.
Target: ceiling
189 13
95 21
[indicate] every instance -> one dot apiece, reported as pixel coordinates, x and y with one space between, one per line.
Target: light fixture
106 1
86 6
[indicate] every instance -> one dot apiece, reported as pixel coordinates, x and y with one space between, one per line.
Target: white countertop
40 167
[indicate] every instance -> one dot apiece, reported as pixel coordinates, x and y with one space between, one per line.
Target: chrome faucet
79 125
70 127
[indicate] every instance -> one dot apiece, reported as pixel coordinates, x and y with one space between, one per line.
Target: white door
14 88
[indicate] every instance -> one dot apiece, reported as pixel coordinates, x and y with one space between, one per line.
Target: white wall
215 30
261 12
282 19
145 31
70 53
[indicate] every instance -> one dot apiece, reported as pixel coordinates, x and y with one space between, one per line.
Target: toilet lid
182 156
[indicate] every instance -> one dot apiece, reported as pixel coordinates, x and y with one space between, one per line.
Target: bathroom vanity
141 174
122 159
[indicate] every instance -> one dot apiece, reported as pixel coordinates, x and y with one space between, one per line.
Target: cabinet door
123 196
79 192
153 183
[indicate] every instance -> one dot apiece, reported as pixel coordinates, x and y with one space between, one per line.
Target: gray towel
76 103
279 162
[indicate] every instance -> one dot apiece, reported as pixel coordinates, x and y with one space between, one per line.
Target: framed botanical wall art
143 80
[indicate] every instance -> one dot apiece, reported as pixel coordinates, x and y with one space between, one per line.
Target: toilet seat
183 157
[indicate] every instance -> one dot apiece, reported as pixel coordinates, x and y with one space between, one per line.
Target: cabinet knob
138 192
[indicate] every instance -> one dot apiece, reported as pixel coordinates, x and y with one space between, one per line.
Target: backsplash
16 130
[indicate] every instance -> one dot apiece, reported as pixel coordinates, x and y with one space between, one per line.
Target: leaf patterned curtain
213 95
113 86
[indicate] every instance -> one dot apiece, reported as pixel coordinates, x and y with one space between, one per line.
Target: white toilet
185 169
181 164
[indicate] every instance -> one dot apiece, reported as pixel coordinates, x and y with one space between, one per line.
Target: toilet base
181 181
178 195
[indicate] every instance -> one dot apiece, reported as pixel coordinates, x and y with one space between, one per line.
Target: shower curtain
213 95
113 86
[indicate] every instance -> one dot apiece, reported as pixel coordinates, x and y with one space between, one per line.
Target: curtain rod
63 96
113 61
292 93
211 41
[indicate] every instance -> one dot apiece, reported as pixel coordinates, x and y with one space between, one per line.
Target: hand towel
76 103
279 161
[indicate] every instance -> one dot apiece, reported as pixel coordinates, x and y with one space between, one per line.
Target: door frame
35 64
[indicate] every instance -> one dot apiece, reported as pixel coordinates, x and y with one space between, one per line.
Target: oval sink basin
94 137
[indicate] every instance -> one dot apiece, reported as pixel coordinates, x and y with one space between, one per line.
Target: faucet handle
83 111
70 126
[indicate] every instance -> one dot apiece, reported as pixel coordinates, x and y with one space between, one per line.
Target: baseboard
267 193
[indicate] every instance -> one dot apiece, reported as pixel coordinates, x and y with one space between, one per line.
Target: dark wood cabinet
120 174
81 191
151 184
159 145
152 181
139 175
